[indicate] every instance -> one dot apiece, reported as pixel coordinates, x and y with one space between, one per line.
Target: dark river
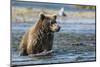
75 42
81 33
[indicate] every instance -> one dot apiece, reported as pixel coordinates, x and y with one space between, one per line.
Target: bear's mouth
57 30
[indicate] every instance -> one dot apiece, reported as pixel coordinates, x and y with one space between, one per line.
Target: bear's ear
42 16
55 16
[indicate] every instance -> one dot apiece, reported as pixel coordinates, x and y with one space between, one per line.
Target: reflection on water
83 31
76 26
55 58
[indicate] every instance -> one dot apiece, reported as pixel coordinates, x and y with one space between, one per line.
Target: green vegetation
86 7
23 14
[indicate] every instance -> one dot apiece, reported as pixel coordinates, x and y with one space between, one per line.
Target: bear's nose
58 28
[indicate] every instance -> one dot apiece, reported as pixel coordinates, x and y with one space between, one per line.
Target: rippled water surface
80 32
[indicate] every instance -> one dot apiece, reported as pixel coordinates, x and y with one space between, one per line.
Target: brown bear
39 38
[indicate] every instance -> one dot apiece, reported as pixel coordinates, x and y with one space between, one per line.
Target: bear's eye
53 21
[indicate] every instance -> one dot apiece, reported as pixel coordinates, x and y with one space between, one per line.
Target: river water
64 52
75 42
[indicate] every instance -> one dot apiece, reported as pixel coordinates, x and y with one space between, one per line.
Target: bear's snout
55 27
58 29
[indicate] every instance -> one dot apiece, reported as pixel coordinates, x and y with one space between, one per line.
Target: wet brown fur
39 38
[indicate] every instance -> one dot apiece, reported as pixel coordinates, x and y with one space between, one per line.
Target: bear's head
49 22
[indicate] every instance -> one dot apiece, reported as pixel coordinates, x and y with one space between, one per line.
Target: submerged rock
78 44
